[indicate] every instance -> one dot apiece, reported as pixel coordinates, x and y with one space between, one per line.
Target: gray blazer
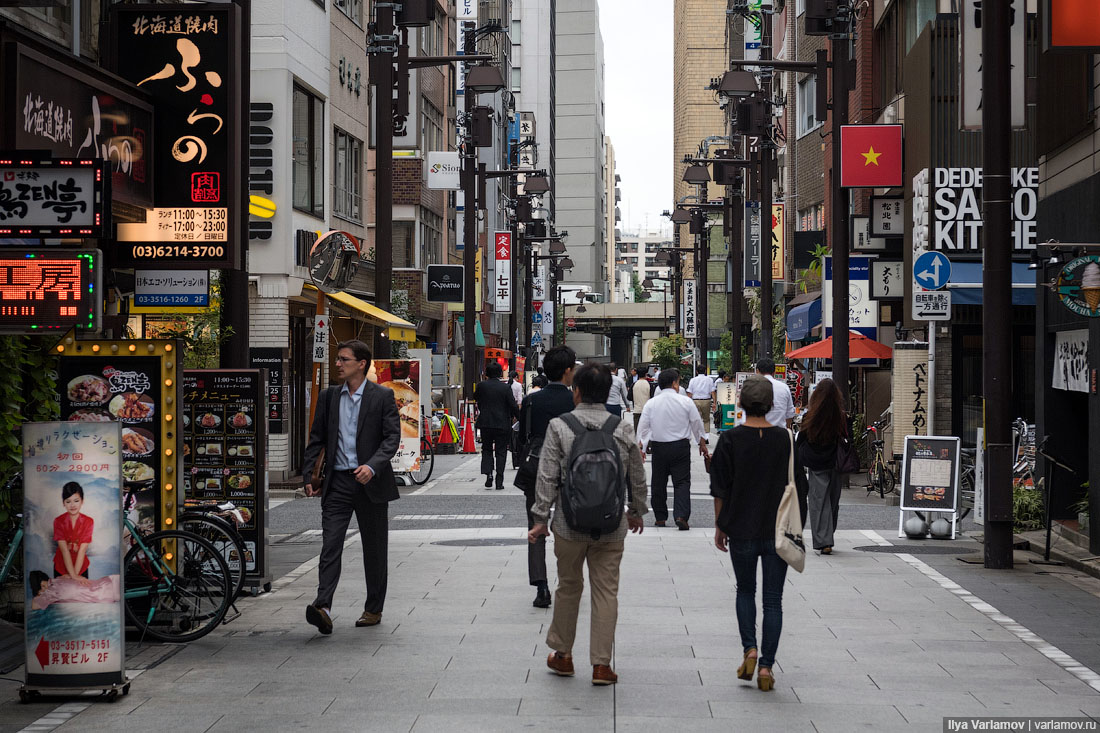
376 442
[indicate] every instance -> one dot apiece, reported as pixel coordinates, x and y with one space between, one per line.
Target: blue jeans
744 553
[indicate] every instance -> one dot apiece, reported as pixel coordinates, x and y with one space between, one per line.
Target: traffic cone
447 432
468 445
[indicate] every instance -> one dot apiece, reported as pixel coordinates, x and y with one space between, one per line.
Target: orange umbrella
859 347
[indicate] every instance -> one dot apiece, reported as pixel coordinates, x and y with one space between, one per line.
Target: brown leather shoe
560 664
369 619
682 524
659 523
319 617
602 675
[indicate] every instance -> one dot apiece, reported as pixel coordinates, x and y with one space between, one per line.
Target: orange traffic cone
468 445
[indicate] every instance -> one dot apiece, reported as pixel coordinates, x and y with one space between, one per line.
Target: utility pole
767 164
997 281
384 37
838 231
735 209
469 229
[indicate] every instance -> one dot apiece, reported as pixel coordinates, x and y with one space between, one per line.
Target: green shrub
1027 509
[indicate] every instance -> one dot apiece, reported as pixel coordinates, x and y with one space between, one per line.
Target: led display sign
53 290
52 198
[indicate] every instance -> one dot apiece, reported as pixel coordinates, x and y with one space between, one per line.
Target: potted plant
1081 506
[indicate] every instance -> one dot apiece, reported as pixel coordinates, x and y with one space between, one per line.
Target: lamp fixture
485 78
557 247
696 173
681 216
647 283
737 84
536 184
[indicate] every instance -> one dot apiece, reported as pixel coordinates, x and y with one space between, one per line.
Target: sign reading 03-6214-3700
188 58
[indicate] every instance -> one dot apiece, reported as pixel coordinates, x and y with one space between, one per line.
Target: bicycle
217 523
879 475
426 461
11 537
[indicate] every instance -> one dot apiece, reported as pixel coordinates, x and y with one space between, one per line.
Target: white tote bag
788 522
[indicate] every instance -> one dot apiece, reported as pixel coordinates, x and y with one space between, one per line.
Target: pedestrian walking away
640 393
701 391
497 409
355 433
782 411
539 408
823 427
617 399
670 426
568 486
748 477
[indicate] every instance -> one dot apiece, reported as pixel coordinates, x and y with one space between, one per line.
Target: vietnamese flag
870 156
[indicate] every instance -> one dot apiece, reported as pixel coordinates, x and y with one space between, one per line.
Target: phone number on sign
195 251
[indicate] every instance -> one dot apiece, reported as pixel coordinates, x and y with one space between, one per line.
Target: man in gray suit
358 427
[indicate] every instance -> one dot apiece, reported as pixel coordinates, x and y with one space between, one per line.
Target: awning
965 284
397 328
802 318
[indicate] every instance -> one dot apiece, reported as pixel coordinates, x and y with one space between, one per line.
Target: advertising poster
224 451
930 473
125 390
403 377
72 553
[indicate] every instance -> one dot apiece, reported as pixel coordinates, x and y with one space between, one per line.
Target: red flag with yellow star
870 156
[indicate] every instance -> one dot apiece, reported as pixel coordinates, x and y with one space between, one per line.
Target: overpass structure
621 322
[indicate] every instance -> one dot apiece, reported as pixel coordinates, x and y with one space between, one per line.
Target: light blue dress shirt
346 455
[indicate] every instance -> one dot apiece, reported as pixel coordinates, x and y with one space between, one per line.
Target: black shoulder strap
611 425
574 424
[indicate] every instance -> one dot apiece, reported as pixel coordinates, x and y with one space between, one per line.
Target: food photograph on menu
403 377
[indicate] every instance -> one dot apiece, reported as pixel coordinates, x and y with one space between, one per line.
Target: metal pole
737 260
932 378
767 159
469 235
382 66
528 293
997 282
702 258
838 234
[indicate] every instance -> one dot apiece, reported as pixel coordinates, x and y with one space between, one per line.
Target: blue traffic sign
932 270
536 338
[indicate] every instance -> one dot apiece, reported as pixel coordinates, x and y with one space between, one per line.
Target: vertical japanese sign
133 383
403 377
970 62
690 330
502 252
779 242
188 59
752 244
225 454
320 339
72 553
909 390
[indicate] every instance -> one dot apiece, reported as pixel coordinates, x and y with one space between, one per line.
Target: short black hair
358 349
493 370
667 377
722 373
701 370
71 488
36 577
766 365
593 381
513 374
557 361
539 381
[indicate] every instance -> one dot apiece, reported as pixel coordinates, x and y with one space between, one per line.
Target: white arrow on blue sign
536 318
932 270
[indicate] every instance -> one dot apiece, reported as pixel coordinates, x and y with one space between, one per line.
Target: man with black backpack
589 467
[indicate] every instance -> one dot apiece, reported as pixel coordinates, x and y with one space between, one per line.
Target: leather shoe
560 664
369 619
682 524
659 523
488 480
542 598
603 675
319 617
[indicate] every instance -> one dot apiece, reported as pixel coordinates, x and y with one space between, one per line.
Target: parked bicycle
879 475
218 524
426 463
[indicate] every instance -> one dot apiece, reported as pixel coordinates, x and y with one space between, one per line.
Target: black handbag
847 460
528 471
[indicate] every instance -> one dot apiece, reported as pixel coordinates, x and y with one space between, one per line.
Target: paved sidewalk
871 640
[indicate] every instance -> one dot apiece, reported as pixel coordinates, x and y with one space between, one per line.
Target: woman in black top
822 428
747 479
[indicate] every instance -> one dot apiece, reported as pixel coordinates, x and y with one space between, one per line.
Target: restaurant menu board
127 390
930 473
225 450
403 377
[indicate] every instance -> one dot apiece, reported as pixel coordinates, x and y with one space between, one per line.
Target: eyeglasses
343 359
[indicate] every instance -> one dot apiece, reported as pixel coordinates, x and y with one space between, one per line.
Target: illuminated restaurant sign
55 198
50 290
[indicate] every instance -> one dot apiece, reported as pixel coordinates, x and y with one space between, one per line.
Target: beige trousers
603 560
703 406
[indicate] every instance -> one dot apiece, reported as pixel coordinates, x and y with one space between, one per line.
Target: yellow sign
179 224
261 207
399 333
779 242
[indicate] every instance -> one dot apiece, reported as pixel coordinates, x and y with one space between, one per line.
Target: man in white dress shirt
670 424
701 391
782 411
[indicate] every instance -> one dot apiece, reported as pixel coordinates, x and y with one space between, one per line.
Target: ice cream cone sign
1078 285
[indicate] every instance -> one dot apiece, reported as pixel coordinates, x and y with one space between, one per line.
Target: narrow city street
885 634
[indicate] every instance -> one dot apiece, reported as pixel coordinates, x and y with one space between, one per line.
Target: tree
640 294
669 351
201 333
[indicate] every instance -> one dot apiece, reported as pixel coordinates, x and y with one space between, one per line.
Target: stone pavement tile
852 715
630 673
823 694
1005 703
352 722
431 723
536 705
197 721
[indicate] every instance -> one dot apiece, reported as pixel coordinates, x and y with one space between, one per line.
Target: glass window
403 239
918 14
351 8
807 106
307 159
431 127
431 237
516 33
348 175
516 79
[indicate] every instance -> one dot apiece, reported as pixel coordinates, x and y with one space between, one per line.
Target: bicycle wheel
177 590
889 483
427 463
226 540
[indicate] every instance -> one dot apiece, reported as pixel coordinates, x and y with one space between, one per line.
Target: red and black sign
46 290
188 58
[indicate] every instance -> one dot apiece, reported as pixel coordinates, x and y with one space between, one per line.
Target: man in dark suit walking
358 427
538 410
496 407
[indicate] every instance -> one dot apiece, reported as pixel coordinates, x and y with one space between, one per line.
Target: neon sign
50 291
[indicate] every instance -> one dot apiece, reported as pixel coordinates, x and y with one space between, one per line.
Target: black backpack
594 489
